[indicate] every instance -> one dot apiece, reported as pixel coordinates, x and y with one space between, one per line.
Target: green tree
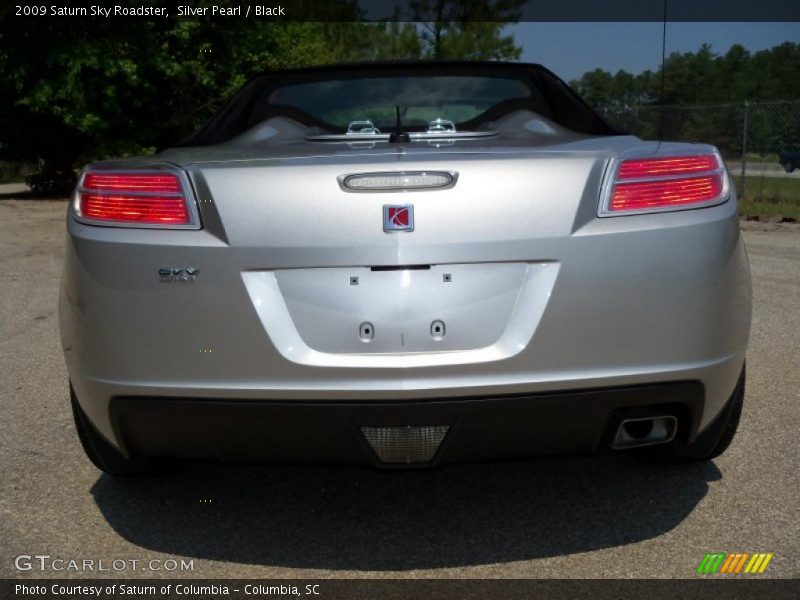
466 29
353 42
703 97
81 89
79 92
700 77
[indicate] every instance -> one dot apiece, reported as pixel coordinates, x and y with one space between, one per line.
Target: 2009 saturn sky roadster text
405 264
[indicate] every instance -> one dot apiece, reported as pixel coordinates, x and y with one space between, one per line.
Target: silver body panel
544 294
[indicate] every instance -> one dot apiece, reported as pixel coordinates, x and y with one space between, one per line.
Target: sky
571 49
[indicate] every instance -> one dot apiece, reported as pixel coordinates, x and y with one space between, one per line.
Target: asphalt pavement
555 517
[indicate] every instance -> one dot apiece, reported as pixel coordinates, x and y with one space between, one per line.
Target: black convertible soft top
553 98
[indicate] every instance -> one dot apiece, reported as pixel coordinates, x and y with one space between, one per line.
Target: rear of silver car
306 332
508 312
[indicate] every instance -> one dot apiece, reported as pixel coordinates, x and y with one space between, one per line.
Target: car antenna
399 136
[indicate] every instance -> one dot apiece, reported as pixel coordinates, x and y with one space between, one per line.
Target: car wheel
709 444
788 167
106 457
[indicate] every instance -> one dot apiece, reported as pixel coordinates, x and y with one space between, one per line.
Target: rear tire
106 457
709 444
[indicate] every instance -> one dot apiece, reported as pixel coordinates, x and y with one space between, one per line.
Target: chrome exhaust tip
645 431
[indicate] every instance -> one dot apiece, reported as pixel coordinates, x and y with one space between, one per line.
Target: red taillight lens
138 182
135 209
666 182
673 192
144 198
674 165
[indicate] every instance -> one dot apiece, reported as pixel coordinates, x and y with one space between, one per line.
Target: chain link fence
753 137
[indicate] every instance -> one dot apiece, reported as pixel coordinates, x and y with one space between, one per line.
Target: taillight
152 198
666 183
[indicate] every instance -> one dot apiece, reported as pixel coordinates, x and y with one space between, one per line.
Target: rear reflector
147 198
405 445
664 183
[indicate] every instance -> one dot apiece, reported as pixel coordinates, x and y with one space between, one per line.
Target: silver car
405 265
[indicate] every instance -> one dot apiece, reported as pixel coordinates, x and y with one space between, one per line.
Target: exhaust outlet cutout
646 431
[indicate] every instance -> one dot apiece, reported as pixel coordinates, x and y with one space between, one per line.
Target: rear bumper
331 432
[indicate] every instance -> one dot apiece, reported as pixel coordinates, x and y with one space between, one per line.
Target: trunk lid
332 288
500 196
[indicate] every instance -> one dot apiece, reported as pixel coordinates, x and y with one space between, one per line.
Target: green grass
760 158
769 196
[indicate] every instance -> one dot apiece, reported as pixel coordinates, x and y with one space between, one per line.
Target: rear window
467 94
420 98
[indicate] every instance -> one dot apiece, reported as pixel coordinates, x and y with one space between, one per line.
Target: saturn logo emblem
398 217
